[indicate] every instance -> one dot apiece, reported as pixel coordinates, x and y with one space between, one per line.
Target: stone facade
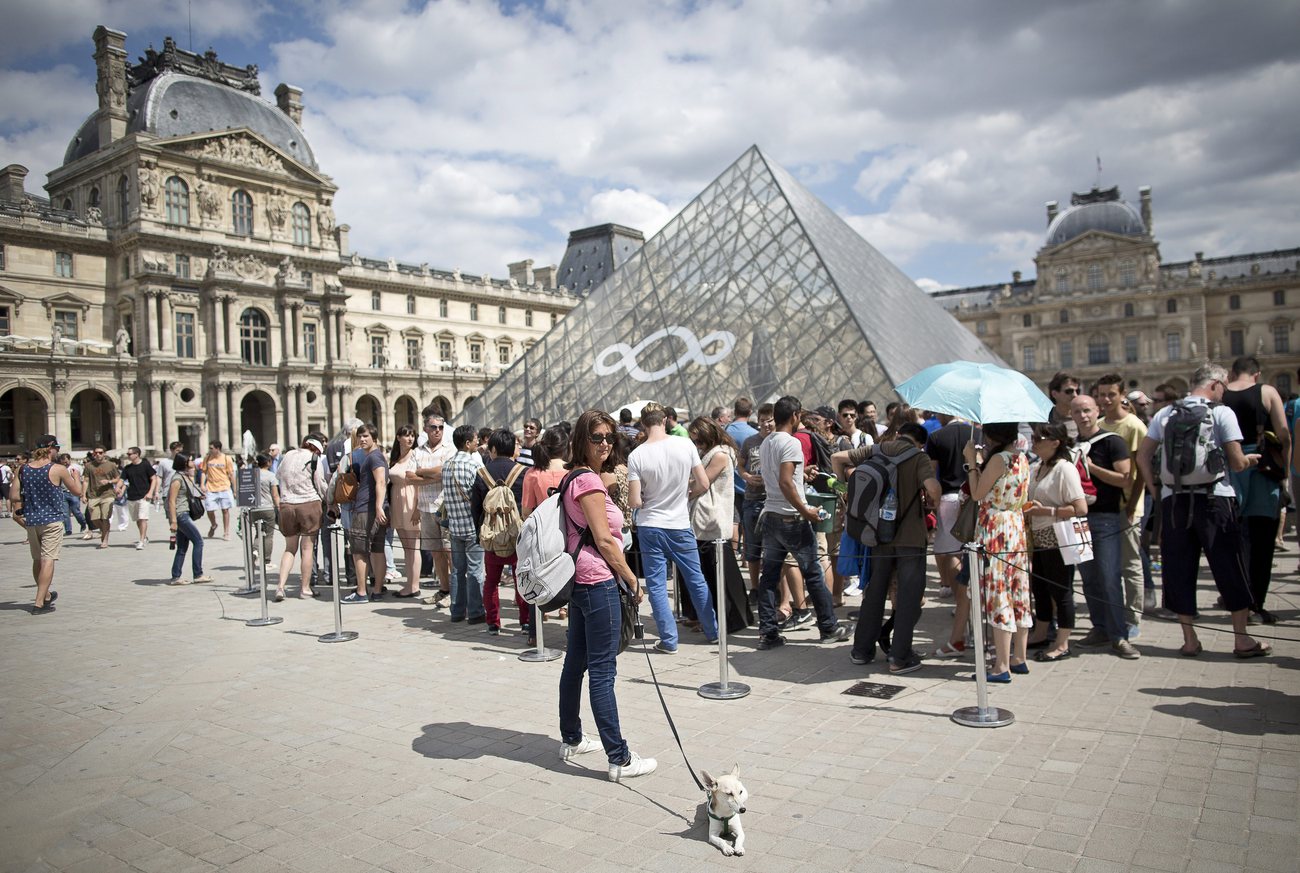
1103 302
195 286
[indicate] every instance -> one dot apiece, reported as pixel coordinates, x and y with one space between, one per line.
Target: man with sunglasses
1063 389
103 479
435 545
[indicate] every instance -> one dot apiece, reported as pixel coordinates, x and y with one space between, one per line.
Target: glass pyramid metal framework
756 288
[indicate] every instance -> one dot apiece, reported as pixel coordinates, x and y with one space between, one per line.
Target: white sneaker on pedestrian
582 747
139 545
635 766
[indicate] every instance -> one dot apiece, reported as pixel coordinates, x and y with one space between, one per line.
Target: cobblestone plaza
147 728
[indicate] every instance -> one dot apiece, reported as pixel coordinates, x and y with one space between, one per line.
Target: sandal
1258 650
1193 652
949 650
1047 658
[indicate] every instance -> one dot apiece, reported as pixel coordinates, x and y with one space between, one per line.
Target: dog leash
639 633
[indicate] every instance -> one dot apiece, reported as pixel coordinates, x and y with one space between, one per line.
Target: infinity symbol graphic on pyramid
625 356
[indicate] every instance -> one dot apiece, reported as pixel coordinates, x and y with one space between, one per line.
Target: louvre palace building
1103 302
187 278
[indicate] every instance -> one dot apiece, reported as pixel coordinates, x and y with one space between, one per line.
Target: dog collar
718 817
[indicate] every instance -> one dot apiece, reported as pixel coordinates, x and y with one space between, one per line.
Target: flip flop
1194 652
1046 658
1258 650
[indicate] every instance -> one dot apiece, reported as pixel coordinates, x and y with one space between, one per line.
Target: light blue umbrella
982 393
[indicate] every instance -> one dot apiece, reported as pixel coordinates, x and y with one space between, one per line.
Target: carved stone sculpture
277 209
148 180
94 215
208 199
121 341
325 220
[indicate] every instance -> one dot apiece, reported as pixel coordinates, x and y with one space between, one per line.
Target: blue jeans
187 534
466 577
657 546
750 510
594 622
791 534
74 511
1103 580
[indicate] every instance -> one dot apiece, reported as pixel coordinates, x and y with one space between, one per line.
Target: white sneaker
139 545
635 766
582 747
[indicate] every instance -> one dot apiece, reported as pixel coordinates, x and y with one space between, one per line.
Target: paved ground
147 728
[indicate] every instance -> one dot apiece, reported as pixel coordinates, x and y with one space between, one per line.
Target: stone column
295 341
342 353
344 414
155 414
131 413
144 330
233 433
291 425
62 420
216 398
168 320
170 431
300 405
217 330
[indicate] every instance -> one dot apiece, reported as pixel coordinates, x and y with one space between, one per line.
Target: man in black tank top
1258 409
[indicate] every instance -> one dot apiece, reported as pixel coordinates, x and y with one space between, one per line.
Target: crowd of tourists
763 495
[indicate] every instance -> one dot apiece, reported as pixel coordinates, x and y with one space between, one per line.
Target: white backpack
501 523
546 568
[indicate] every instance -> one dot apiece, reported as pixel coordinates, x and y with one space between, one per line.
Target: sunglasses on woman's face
598 438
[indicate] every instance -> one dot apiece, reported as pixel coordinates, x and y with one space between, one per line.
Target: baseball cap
825 412
1139 398
47 441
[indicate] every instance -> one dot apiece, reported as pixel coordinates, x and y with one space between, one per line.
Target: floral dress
1004 579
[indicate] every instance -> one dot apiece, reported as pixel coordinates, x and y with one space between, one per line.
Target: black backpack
871 483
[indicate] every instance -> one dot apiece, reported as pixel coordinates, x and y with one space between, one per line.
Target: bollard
724 688
335 533
980 715
266 619
541 653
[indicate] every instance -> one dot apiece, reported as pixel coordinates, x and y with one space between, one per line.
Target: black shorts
366 534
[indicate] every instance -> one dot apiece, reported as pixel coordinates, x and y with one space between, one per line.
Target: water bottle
171 542
888 514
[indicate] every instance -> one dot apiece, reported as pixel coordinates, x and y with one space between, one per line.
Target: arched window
177 196
528 318
93 200
67 204
254 338
123 200
301 224
241 213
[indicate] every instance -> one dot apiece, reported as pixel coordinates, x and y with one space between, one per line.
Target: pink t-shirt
591 565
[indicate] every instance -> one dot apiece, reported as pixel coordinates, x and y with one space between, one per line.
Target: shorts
99 508
138 509
4 490
365 534
944 542
45 540
218 500
300 519
433 536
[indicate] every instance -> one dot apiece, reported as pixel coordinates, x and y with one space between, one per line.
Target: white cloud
930 286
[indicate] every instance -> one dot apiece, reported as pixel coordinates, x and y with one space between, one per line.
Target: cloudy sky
471 133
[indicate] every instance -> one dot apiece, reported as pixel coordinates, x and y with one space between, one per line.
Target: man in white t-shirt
786 526
663 475
429 461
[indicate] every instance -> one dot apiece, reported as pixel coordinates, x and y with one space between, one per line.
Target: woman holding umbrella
999 481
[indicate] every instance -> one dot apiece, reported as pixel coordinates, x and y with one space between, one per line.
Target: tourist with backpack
1198 441
595 617
495 499
899 542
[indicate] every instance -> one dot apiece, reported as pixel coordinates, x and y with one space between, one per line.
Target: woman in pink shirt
594 614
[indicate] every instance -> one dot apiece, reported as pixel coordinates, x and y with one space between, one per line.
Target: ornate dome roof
174 104
1111 216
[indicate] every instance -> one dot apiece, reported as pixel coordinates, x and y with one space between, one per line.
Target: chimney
110 84
11 183
289 99
522 272
1015 275
1145 193
545 276
1051 211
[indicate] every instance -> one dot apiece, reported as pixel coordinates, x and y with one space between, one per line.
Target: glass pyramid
756 288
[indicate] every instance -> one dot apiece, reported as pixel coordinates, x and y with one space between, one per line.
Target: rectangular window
503 355
185 334
554 318
1027 320
476 353
981 328
1281 339
444 350
1283 384
183 266
1174 346
63 265
309 341
1094 277
1279 298
1067 354
126 266
5 324
1234 301
66 321
1128 274
442 308
2 256
412 353
1029 358
501 315
473 312
377 352
1236 342
1098 351
528 318
1130 349
374 300
410 304
307 278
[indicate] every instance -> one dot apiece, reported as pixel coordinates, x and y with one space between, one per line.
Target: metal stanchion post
541 653
249 571
335 533
266 619
724 688
980 715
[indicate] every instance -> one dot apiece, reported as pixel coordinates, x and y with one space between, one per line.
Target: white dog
727 798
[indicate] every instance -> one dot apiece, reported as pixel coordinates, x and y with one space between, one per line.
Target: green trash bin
828 503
